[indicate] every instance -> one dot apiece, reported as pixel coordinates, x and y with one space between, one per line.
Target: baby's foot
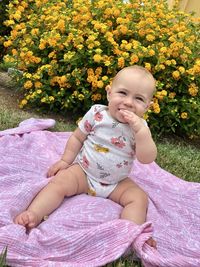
28 219
151 242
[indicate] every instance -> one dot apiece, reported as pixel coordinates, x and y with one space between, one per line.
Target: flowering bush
70 50
3 29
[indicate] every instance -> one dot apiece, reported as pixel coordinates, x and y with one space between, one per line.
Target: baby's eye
139 99
122 92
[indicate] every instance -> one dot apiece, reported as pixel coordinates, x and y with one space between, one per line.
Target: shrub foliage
4 30
70 50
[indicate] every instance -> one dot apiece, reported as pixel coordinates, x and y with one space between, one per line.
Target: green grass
176 155
180 158
3 257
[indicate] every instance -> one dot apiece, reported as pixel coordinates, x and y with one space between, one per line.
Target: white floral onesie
108 152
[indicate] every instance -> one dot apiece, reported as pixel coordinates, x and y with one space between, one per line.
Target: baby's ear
108 90
149 105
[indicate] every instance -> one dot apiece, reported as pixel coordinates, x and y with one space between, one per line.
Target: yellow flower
123 29
98 51
148 66
176 74
120 62
150 37
17 15
193 89
7 43
119 20
181 34
128 46
116 13
35 31
14 52
125 54
91 46
164 92
42 45
63 79
69 55
184 115
9 22
51 98
23 103
21 8
145 117
98 71
104 78
39 91
163 49
36 60
38 85
161 94
181 69
141 32
28 84
173 61
162 66
27 75
43 100
97 58
156 108
81 97
151 52
79 47
100 84
172 95
107 63
61 25
134 59
168 62
96 97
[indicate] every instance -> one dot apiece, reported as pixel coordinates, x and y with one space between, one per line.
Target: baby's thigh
73 180
128 191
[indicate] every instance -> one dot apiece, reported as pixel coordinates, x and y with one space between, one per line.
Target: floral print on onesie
109 150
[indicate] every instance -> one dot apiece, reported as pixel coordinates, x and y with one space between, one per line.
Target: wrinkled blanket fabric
86 231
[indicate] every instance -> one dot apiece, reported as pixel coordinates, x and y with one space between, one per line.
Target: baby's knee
59 180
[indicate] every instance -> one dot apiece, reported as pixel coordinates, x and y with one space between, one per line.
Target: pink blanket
86 231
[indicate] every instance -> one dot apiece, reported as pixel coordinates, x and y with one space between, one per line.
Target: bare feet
28 219
151 242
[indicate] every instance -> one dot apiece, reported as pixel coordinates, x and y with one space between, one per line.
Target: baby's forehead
137 75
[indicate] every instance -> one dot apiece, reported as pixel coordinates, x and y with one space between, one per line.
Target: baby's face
130 91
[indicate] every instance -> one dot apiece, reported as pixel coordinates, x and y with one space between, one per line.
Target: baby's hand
133 120
59 165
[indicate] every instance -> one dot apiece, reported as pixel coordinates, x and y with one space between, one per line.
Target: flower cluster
70 50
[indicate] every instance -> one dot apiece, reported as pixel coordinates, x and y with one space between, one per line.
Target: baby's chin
121 119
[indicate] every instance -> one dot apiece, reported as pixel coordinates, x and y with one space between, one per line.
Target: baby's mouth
121 109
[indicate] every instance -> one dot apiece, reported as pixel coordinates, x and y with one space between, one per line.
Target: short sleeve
87 122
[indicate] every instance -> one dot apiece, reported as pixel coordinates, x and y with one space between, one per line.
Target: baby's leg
134 202
66 183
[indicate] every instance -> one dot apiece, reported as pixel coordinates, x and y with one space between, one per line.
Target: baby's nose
128 102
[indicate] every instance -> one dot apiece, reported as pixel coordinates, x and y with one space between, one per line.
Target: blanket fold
86 231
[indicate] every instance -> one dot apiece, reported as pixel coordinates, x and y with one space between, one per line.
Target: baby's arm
146 150
72 148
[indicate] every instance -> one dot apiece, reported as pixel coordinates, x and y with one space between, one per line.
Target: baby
99 154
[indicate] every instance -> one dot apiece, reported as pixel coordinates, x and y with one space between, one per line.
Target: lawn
177 155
